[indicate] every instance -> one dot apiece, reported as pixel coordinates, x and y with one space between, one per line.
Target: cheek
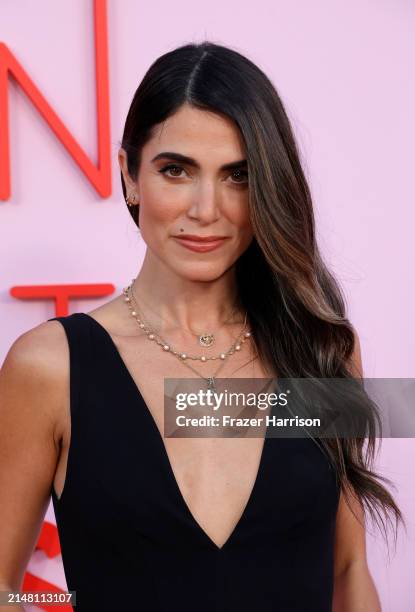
237 212
161 205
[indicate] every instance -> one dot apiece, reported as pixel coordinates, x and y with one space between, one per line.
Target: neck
174 302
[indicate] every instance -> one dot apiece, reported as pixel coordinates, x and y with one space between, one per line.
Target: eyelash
174 166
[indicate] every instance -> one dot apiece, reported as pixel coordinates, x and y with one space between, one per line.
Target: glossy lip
197 238
198 245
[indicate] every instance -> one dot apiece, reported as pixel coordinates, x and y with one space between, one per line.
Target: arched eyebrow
184 159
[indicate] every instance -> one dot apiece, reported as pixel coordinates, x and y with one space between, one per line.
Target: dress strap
76 331
78 337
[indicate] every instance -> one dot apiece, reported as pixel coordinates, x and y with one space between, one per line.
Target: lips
200 245
196 238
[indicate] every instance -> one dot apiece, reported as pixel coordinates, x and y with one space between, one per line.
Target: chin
201 271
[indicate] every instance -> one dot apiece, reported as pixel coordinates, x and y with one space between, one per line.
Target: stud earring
131 202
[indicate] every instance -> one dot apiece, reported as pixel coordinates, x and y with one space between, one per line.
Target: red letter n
100 175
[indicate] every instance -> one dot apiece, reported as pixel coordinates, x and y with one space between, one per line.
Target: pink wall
345 72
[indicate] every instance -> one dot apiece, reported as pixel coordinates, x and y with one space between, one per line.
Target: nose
205 206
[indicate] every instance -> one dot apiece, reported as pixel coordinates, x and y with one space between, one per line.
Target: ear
122 160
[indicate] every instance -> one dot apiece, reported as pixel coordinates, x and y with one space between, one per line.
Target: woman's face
193 175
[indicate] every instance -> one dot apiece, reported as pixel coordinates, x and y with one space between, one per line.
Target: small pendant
206 339
211 383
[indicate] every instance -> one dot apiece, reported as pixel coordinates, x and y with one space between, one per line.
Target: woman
211 175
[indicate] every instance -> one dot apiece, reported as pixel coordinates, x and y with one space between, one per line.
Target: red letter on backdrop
61 294
99 176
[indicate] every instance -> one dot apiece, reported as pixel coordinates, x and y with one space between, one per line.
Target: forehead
197 133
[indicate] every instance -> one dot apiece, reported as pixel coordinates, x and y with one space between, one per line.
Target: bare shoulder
41 349
37 366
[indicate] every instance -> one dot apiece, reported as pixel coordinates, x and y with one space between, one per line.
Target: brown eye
171 167
241 176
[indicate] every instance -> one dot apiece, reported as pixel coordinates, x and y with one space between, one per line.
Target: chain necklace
154 336
205 339
210 380
183 357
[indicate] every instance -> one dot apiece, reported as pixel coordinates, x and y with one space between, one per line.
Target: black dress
128 538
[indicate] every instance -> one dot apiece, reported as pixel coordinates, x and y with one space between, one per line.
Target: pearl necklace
153 336
205 339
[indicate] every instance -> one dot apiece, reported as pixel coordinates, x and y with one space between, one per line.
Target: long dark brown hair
296 307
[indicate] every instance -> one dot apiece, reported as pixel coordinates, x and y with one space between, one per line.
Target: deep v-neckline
136 390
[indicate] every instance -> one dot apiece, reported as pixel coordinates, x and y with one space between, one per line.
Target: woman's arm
31 394
354 589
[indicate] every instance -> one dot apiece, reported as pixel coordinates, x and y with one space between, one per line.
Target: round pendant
206 339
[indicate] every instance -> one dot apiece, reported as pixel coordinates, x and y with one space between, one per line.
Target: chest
214 477
214 488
